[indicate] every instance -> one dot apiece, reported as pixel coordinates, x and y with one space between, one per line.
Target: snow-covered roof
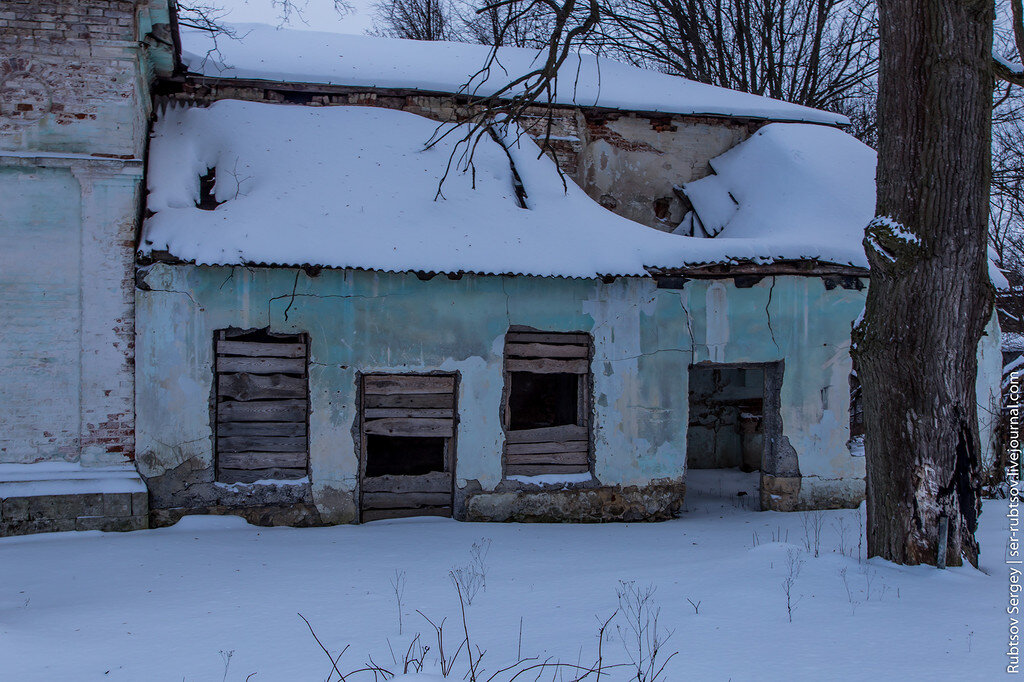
267 53
354 187
787 183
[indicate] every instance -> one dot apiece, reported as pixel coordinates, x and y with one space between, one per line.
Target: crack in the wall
176 291
768 312
292 296
689 328
650 354
508 312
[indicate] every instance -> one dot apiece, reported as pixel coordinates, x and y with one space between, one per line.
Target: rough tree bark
930 296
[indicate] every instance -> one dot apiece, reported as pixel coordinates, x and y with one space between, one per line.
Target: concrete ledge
88 511
60 496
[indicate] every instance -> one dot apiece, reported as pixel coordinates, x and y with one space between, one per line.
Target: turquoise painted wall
645 339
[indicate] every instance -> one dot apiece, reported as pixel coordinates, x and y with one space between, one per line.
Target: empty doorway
734 410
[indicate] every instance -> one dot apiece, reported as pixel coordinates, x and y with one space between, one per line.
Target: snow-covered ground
216 599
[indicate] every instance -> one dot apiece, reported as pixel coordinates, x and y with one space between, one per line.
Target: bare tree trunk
930 295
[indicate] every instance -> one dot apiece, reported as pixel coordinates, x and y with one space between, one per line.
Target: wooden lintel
798 268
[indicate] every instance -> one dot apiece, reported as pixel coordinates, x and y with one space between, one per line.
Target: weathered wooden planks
380 514
423 400
578 459
228 475
418 412
263 411
279 429
546 350
258 350
260 386
542 469
263 460
400 426
262 408
547 365
392 500
547 434
547 337
386 384
416 406
261 444
436 482
261 365
550 450
541 447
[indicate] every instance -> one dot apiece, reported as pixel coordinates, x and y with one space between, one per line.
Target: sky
316 15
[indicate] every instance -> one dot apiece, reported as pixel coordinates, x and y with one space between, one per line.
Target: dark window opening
403 455
540 400
207 191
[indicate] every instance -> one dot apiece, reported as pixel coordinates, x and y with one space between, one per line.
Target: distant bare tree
210 15
416 19
504 25
812 52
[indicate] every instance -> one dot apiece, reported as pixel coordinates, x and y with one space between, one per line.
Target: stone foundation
299 515
654 502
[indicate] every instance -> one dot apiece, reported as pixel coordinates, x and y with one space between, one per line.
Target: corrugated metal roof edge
695 269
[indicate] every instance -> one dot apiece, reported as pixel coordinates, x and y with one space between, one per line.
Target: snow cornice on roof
353 187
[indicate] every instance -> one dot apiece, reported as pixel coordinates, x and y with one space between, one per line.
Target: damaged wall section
644 341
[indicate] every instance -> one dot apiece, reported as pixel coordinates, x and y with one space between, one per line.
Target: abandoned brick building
234 283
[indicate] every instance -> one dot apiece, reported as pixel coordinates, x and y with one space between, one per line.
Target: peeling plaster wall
358 321
74 109
797 320
631 162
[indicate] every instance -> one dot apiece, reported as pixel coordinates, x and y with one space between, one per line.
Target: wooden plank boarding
262 407
398 426
262 460
411 406
415 412
542 469
246 386
391 500
376 384
547 337
547 434
380 514
546 350
542 447
262 411
227 475
435 400
261 365
260 350
547 365
435 482
578 459
260 444
278 429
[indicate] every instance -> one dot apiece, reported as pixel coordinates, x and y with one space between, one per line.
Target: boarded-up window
262 406
408 445
546 412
